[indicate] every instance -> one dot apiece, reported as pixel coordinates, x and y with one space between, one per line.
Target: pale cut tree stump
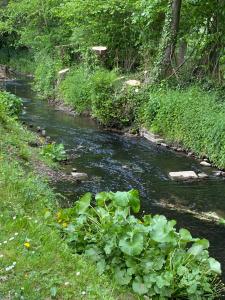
133 82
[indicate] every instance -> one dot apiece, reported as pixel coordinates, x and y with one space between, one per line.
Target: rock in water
205 164
79 176
202 175
183 175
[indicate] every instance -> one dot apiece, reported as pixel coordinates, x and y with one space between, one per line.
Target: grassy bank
35 263
191 117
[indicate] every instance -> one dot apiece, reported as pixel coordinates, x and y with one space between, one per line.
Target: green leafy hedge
147 254
192 117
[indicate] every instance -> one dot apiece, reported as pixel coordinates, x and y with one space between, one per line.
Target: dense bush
147 254
46 74
75 89
192 117
10 104
55 152
102 93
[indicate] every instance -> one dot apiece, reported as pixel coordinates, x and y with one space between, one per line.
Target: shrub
75 89
192 117
46 74
147 254
54 151
10 104
113 103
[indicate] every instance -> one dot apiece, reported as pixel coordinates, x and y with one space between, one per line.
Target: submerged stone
182 175
202 175
79 176
205 164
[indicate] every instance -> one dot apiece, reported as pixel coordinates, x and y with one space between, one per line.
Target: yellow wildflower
58 215
64 224
27 245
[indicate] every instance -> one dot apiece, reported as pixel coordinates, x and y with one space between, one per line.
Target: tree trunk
181 53
163 65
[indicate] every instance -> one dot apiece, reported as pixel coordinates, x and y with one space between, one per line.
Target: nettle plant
147 254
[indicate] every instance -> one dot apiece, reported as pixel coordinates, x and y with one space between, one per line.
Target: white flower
66 283
5 242
14 218
14 263
12 238
1 255
78 273
16 233
83 293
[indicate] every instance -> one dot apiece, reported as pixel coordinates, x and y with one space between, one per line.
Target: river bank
35 261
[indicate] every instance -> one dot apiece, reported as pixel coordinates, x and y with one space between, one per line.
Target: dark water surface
114 162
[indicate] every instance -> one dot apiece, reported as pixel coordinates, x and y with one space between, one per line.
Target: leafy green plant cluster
103 94
192 117
147 254
46 74
75 89
55 152
10 104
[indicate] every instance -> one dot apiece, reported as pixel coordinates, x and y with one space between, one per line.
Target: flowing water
115 162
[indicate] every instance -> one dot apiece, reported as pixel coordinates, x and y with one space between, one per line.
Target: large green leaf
132 243
214 265
162 230
134 200
121 199
122 277
139 287
198 247
102 197
83 203
185 235
125 199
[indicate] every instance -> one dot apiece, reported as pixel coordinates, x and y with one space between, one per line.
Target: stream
115 162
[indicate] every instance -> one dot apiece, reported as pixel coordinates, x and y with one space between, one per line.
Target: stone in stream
183 175
218 173
190 154
79 176
43 132
205 164
202 175
154 138
164 145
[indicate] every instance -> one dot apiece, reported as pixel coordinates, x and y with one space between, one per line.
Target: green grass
48 269
192 117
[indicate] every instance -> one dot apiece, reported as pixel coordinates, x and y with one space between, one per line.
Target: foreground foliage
147 254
